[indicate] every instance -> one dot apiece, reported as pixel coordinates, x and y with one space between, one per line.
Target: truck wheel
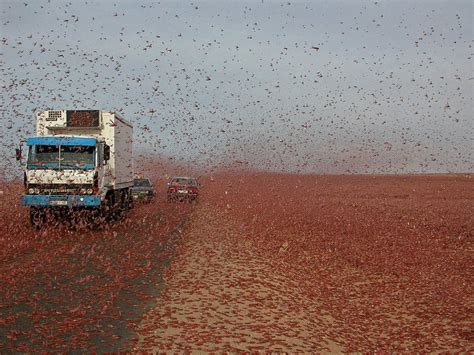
122 206
37 217
129 199
109 207
125 200
96 219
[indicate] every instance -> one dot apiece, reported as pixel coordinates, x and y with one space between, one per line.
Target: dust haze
313 87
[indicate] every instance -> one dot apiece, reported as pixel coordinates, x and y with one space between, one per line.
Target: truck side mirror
18 154
106 152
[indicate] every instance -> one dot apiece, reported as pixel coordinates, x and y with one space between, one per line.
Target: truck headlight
34 190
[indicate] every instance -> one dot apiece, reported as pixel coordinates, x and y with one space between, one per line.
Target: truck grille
56 189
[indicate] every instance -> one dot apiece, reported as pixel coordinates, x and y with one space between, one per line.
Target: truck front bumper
60 200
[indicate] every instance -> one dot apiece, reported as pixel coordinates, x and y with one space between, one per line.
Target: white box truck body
78 159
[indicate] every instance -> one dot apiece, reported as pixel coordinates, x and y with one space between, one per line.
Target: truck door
106 169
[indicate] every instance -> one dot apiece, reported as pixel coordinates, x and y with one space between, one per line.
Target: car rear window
181 181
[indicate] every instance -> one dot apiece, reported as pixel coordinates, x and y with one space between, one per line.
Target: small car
142 190
182 188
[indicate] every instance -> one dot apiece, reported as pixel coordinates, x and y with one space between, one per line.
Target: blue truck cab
61 171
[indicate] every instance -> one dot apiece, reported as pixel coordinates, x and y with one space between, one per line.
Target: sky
324 87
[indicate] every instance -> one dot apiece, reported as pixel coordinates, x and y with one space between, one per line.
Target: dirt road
73 288
220 295
262 262
301 263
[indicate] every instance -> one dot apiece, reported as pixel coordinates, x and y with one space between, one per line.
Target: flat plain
263 262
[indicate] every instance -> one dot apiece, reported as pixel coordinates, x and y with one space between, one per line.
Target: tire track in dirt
83 289
220 296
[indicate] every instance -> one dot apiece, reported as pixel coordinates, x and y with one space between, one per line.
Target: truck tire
109 209
96 219
130 199
124 201
37 217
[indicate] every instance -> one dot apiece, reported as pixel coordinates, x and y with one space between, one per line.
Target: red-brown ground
322 263
264 262
65 288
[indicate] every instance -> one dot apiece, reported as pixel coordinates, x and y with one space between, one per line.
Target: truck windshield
61 157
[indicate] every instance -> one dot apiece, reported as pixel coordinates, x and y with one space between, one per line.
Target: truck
78 160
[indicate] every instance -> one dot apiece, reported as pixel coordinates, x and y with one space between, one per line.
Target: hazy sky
316 86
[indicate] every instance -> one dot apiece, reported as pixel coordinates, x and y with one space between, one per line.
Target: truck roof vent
54 115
